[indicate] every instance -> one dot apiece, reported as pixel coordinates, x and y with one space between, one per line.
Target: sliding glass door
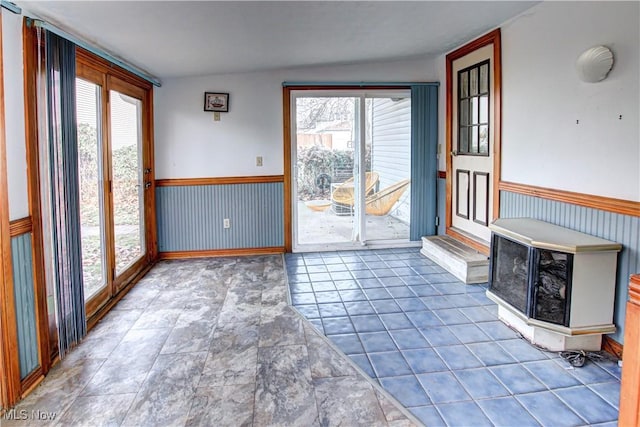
113 191
351 168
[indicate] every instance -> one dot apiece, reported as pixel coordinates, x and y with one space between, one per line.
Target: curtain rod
360 84
102 54
11 6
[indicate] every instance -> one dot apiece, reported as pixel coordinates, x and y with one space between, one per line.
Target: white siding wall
391 141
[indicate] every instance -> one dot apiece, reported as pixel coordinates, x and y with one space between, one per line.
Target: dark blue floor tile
341 275
376 342
414 280
408 338
383 272
451 316
310 311
352 295
348 343
482 299
402 271
332 259
319 277
363 362
395 263
297 288
354 266
396 321
609 392
463 414
298 278
303 298
480 383
337 325
505 411
440 278
369 283
389 364
400 292
346 284
359 307
522 351
462 300
451 288
317 323
376 293
437 302
391 282
384 306
373 265
317 269
367 323
458 357
424 290
411 304
588 374
429 416
313 260
331 296
439 336
407 390
497 330
611 366
323 286
477 314
490 353
424 319
469 333
333 309
337 267
587 404
363 274
426 269
517 379
443 387
551 374
549 410
424 360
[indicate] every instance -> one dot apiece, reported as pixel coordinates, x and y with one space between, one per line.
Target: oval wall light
594 64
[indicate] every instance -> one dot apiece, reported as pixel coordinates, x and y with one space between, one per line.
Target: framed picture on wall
216 101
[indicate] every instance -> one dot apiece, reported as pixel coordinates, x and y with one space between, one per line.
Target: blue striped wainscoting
22 262
190 218
619 228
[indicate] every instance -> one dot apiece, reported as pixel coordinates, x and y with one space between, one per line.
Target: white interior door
472 143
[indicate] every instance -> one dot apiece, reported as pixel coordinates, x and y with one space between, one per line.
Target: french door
351 155
115 183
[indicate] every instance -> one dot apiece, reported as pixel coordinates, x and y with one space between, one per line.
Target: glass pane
463 144
484 109
474 139
90 177
464 84
127 185
552 285
473 82
484 140
464 112
509 276
475 113
484 78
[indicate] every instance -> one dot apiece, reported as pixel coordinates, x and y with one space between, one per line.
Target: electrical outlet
259 161
226 223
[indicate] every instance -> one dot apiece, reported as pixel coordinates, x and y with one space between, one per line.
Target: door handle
454 153
147 185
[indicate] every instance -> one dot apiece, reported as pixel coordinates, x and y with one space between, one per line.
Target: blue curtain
424 162
65 208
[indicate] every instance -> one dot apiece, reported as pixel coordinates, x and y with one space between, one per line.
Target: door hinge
437 221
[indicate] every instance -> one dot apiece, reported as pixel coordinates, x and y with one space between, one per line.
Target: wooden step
467 264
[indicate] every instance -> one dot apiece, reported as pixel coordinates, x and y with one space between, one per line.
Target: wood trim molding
612 346
10 386
619 206
629 414
221 253
181 182
288 208
442 174
491 38
20 226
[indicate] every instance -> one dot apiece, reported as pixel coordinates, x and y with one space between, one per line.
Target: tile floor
208 342
438 346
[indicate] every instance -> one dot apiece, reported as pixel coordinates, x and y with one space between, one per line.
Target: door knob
147 185
454 153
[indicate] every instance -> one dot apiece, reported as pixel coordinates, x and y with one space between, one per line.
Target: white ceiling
175 38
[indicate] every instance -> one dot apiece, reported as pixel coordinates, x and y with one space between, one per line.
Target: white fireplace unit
554 285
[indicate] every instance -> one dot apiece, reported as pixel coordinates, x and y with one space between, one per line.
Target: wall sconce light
594 64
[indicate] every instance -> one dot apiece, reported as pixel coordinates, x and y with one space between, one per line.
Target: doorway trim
496 93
